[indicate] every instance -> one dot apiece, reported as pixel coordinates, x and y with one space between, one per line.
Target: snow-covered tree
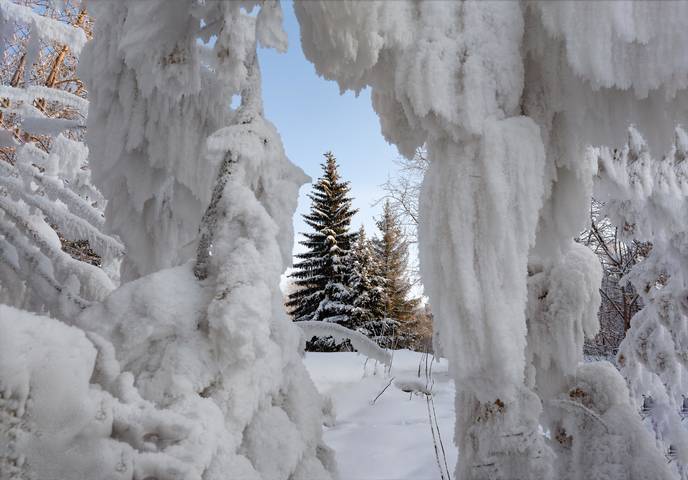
48 207
322 271
190 372
390 249
506 96
367 293
647 199
403 190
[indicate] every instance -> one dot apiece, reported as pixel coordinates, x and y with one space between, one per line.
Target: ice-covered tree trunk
506 96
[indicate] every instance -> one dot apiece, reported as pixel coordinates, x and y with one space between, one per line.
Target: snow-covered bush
67 411
506 96
46 197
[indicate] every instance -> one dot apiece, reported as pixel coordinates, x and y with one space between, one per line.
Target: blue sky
312 118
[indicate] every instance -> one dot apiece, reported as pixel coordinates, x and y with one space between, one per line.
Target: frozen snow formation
647 199
46 182
158 90
67 411
362 344
507 96
191 368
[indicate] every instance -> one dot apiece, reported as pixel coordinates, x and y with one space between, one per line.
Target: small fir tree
391 259
321 273
367 291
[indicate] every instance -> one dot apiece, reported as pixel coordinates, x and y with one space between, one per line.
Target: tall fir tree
367 293
391 258
321 274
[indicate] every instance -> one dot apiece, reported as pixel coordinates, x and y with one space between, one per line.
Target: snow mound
67 411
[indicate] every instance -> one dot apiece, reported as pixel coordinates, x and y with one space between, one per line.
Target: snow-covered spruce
390 254
367 293
506 96
321 275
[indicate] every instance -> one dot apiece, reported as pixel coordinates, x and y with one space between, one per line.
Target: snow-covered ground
390 439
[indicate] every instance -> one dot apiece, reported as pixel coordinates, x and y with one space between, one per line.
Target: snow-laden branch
71 226
36 265
48 29
646 199
359 341
570 404
94 281
55 189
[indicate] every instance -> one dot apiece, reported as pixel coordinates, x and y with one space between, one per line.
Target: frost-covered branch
71 226
44 176
31 265
646 199
33 93
95 283
47 29
210 219
360 342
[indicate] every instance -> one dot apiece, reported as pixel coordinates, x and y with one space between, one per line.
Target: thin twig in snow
372 402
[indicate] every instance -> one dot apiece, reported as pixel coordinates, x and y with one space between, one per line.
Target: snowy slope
390 439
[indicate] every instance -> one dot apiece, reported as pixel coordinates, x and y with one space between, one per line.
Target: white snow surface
390 439
67 410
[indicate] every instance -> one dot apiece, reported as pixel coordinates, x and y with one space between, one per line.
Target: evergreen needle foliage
321 273
368 293
390 250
